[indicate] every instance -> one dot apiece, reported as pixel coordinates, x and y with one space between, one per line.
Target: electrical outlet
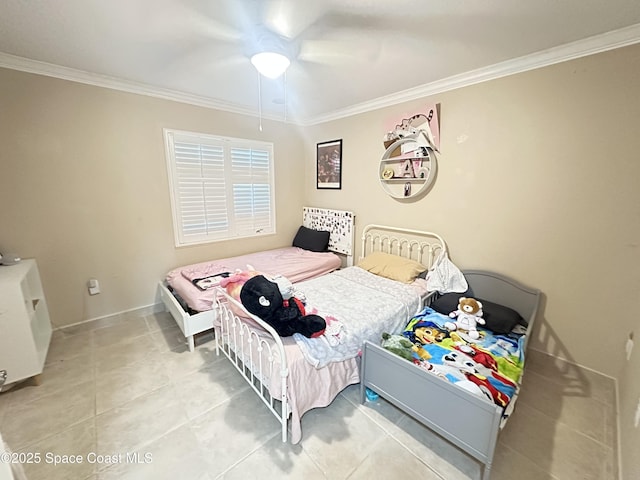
93 286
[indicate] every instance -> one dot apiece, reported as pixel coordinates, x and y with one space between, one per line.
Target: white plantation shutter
221 188
200 190
251 177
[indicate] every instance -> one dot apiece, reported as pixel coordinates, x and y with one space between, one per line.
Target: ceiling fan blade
346 47
191 22
219 31
289 18
324 51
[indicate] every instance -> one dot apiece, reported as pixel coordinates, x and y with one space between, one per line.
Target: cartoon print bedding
489 366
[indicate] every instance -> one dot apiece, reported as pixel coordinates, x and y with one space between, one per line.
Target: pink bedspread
293 263
310 387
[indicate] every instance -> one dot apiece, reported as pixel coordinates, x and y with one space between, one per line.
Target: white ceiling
353 55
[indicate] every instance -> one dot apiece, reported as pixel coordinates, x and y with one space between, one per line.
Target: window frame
182 237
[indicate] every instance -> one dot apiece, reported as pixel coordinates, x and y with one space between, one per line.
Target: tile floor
126 396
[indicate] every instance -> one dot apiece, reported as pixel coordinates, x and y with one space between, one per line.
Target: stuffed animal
469 314
287 289
262 298
403 347
398 344
234 283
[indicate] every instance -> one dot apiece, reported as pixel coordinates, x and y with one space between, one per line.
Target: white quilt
366 305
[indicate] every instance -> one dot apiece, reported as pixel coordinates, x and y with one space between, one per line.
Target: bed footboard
467 421
257 353
189 324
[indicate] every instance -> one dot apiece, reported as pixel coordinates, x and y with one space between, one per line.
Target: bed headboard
422 246
339 223
505 291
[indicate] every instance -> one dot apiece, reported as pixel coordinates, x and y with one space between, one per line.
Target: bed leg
486 472
191 343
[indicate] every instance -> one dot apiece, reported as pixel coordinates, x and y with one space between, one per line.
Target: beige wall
629 401
84 189
539 178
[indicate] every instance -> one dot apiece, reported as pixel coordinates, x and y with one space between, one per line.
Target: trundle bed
469 421
191 302
294 374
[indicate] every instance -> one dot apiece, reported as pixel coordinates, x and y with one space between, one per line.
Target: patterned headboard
339 223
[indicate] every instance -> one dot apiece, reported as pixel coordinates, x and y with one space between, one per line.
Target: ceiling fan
313 37
270 53
320 32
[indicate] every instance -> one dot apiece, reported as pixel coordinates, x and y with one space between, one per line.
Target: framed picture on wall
329 165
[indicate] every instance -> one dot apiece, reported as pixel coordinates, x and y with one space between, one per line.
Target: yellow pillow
392 266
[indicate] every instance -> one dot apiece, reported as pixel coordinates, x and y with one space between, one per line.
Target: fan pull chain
285 97
260 100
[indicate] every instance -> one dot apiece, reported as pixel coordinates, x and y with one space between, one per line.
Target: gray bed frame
469 422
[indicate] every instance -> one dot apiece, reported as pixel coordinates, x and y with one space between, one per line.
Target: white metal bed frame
418 245
243 346
340 223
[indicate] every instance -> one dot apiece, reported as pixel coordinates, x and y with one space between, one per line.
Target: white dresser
25 327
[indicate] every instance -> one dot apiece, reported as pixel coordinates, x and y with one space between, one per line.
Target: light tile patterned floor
128 386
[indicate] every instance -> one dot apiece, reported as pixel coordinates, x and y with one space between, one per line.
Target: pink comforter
293 263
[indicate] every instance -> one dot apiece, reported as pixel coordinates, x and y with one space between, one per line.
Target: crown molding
570 51
592 45
14 62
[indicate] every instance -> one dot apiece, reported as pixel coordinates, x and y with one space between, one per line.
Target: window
221 188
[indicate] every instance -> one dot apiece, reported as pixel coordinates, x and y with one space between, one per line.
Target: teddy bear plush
468 316
263 298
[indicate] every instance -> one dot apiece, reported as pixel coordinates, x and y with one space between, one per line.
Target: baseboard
575 364
144 310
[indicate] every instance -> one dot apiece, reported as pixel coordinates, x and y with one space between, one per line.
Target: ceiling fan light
270 64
